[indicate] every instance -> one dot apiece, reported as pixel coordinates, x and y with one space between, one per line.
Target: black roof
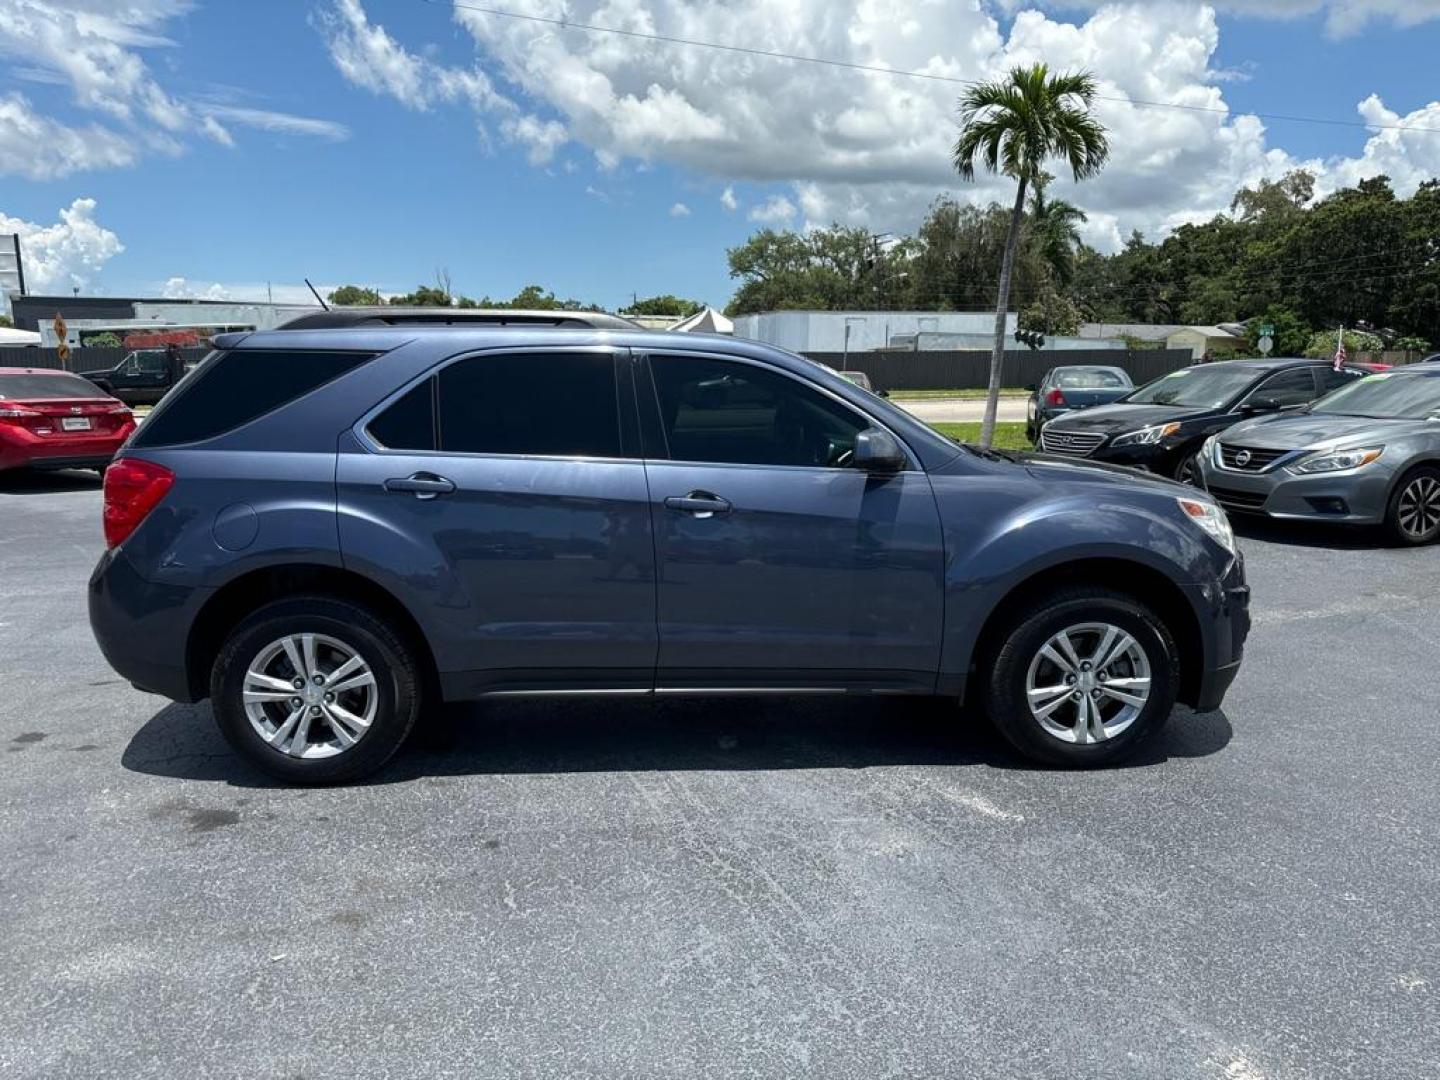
341 317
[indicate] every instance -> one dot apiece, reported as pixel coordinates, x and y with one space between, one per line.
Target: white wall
824 331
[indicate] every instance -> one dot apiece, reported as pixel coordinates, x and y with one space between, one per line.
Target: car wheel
1188 471
1084 680
315 690
1413 516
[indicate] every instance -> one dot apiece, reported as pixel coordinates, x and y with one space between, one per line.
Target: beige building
1202 339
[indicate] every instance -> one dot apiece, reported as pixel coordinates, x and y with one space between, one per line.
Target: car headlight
1210 518
1146 436
1336 460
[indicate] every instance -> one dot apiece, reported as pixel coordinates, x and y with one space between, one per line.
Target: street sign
1266 330
1265 344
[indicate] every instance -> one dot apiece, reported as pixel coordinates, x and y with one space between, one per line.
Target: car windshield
1386 396
43 387
1195 387
1092 379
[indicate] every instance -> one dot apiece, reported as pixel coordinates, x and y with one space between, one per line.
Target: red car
55 420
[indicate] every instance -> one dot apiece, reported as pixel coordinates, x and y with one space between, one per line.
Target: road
963 410
786 889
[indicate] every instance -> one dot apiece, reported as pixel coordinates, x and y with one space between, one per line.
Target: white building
860 331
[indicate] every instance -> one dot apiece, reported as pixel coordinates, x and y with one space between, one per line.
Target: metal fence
970 370
86 359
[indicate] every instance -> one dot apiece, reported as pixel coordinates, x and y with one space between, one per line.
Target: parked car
1071 387
142 378
322 531
55 420
1368 454
1161 426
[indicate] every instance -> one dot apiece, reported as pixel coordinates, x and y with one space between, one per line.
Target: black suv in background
1162 426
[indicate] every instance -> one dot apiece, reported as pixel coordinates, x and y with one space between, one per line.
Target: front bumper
143 628
1354 498
1224 610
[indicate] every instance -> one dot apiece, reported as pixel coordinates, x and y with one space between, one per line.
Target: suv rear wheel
1084 679
315 690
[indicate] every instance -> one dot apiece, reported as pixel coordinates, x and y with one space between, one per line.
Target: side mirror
883 393
1259 405
1033 387
876 450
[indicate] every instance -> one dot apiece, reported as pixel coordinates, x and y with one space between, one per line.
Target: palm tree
1012 126
1054 229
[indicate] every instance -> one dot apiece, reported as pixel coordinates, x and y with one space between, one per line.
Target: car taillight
16 412
1055 397
132 489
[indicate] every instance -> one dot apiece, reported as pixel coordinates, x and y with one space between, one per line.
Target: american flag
1340 356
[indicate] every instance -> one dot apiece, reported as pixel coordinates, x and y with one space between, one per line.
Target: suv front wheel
315 690
1083 680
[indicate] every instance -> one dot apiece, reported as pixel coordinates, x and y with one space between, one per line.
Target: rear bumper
143 629
21 449
1224 610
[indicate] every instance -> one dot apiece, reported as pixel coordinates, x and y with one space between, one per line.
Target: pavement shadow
47 481
735 734
1310 534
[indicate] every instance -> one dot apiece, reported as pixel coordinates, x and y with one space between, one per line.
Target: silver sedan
1367 454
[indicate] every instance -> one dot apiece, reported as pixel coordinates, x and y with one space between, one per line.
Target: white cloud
65 254
776 210
242 292
727 198
94 48
285 123
541 138
679 210
874 149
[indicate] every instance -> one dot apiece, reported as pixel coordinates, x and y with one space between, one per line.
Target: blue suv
328 530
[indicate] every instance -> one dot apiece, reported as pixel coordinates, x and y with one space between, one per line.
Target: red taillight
16 412
132 489
1054 397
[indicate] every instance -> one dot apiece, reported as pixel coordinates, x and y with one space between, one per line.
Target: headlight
1210 448
1146 436
1336 460
1210 518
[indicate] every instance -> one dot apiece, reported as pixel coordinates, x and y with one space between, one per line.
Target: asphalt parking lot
828 889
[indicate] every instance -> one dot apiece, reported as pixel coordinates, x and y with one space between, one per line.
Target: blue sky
374 141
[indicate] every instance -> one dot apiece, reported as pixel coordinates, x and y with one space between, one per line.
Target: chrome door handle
700 503
422 484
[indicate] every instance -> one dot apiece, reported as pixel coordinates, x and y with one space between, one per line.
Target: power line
875 69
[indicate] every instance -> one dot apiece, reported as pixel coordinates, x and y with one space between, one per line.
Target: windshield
1092 379
1196 387
1387 396
43 387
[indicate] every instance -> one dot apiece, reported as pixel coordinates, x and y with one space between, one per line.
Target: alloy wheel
1088 683
310 695
1418 511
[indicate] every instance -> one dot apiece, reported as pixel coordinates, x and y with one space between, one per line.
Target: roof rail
342 317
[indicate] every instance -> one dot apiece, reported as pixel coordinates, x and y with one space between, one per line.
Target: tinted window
715 410
1330 379
1294 387
236 387
409 423
557 404
152 362
1206 387
40 387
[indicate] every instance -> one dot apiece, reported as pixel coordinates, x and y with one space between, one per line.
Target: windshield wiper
990 454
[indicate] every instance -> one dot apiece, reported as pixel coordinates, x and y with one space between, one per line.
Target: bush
1322 344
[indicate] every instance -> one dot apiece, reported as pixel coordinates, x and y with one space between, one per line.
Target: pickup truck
142 378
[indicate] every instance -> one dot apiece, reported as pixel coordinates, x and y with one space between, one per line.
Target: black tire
1005 687
398 687
1188 471
1403 515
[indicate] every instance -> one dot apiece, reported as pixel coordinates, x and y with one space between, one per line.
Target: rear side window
552 404
409 423
42 387
236 387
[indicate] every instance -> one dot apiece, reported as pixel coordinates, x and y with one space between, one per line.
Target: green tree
354 296
1322 344
1054 230
1272 199
1291 335
1012 126
423 296
1052 314
665 305
7 322
822 270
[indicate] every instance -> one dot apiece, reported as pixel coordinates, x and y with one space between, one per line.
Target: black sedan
1162 426
1073 386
